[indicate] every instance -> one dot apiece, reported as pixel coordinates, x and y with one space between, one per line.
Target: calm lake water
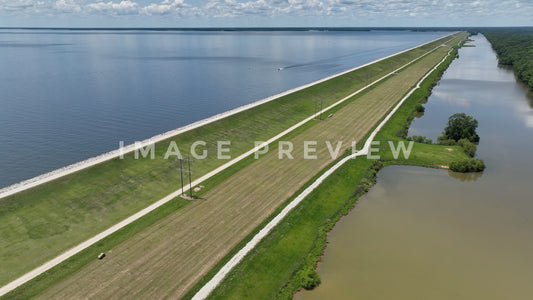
429 234
69 95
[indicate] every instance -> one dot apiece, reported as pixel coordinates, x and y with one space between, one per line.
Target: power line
186 169
181 172
190 174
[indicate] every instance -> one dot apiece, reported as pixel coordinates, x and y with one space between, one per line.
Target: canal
433 234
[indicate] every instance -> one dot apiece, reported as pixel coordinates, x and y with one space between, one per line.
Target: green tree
461 126
514 48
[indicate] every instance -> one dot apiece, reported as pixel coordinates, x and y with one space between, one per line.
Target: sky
264 13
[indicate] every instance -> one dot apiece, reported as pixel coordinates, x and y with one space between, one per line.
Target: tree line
514 47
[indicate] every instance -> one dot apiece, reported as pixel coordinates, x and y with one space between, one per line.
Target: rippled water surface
69 95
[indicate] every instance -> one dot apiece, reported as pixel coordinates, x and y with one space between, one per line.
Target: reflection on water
469 177
421 233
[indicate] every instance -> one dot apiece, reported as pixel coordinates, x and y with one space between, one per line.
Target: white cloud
356 9
124 7
165 7
20 5
266 8
67 6
232 8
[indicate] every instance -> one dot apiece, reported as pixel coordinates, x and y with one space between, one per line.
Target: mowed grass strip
38 224
169 257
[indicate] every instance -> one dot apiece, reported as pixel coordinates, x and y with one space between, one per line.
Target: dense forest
514 48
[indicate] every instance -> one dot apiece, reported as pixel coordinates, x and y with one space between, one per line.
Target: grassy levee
51 277
69 267
39 223
170 256
286 258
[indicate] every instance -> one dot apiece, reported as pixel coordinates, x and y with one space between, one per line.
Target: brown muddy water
431 234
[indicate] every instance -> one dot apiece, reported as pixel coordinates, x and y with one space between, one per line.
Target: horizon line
267 28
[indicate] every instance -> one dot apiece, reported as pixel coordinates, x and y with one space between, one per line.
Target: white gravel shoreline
35 181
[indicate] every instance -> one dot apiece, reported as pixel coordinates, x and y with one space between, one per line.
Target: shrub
468 165
468 147
420 108
309 278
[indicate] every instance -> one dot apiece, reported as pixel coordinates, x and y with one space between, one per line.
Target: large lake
69 95
432 234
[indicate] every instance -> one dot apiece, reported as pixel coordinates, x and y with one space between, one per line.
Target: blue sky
252 13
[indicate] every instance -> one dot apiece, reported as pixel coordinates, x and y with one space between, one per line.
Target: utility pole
190 181
181 173
189 174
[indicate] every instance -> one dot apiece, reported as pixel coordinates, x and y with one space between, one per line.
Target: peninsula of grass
40 223
285 261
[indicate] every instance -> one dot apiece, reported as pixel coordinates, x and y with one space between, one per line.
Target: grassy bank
40 223
286 259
